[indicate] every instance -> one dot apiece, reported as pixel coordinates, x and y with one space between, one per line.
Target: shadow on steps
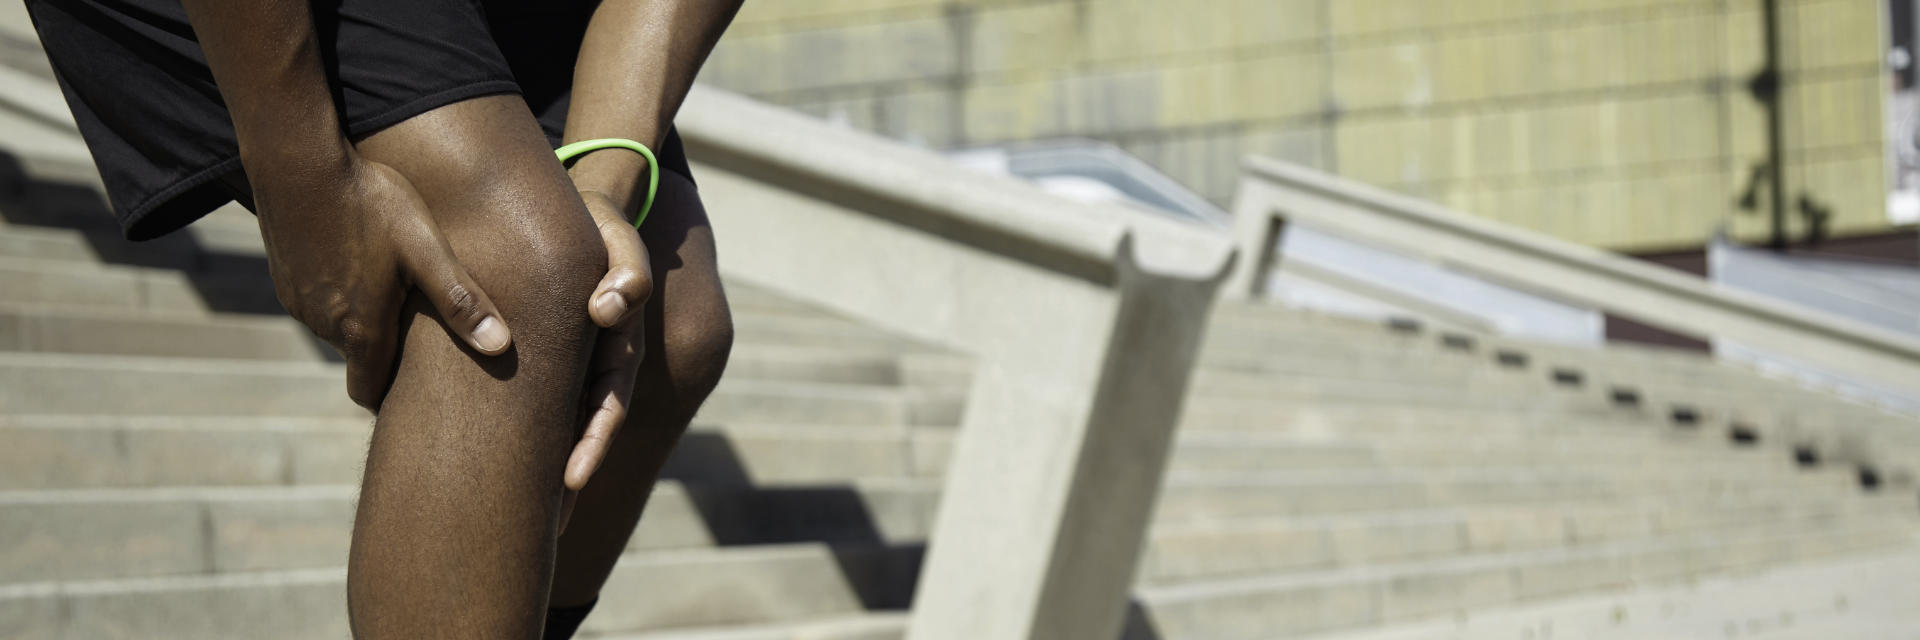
883 574
225 282
738 514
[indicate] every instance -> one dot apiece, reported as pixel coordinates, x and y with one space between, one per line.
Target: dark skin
414 249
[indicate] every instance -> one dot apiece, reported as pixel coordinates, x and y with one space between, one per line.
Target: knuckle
355 337
614 229
640 285
462 304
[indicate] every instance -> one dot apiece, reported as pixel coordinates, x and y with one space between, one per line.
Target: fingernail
490 334
610 305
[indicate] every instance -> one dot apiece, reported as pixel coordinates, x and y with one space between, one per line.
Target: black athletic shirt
146 103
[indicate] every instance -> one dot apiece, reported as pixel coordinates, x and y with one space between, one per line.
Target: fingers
616 364
431 266
609 395
629 280
370 344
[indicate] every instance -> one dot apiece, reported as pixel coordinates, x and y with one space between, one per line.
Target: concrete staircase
172 470
177 461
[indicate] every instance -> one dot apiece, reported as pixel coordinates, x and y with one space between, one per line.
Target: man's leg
689 332
458 510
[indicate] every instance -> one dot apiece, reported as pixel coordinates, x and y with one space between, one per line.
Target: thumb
462 304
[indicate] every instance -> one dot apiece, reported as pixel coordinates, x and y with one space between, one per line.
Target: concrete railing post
1056 471
1083 321
1257 232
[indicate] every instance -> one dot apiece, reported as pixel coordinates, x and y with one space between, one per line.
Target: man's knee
702 347
695 341
541 276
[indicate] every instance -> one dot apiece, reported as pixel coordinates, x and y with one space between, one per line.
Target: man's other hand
345 240
617 306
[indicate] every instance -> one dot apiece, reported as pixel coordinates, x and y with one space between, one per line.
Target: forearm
265 58
636 64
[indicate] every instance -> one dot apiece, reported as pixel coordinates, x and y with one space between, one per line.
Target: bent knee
702 347
540 276
696 338
512 216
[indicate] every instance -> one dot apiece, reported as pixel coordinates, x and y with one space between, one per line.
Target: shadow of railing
737 513
882 573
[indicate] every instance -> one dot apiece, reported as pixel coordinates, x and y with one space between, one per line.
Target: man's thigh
455 530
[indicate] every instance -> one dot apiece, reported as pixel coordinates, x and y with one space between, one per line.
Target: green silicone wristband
569 152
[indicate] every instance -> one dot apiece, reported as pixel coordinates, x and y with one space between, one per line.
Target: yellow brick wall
1619 123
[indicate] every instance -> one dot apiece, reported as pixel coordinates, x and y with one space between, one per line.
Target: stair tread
1495 560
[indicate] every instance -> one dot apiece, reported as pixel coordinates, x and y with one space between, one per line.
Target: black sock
563 621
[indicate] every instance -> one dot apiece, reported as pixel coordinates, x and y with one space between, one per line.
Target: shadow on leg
689 333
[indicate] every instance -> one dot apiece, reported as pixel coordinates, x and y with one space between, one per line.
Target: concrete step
1216 496
1867 595
1304 602
1706 406
132 288
35 383
1350 416
745 295
1309 391
76 452
1883 448
1228 451
870 626
1191 551
1569 448
1356 365
654 590
81 452
823 332
63 238
94 330
127 533
1262 322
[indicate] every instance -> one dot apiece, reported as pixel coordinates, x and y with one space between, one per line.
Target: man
492 305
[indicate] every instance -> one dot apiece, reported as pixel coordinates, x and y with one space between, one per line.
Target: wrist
618 175
300 160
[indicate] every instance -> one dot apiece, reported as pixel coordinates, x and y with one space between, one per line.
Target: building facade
1635 125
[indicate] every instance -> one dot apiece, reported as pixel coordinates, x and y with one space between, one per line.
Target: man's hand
618 307
344 244
637 62
345 236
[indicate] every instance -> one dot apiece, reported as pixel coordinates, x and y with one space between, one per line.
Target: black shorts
147 106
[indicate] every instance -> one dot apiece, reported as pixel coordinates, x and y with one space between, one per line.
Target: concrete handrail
1275 193
1084 321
